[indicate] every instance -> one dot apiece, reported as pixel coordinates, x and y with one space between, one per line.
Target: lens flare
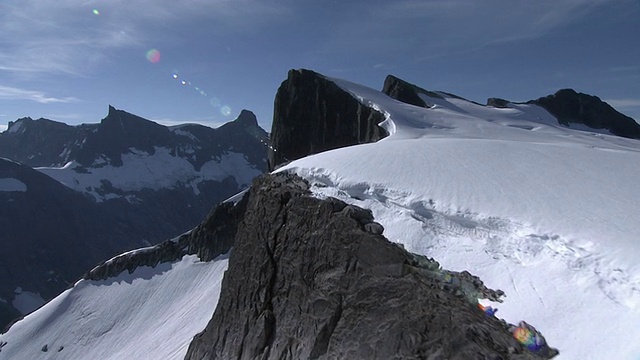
96 12
153 56
215 102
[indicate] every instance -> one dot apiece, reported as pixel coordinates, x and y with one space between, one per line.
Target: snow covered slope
152 313
546 213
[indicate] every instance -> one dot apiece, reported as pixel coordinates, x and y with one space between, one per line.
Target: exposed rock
213 237
306 281
571 107
498 103
312 114
407 92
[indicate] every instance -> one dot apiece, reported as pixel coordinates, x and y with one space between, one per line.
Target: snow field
546 213
160 170
152 313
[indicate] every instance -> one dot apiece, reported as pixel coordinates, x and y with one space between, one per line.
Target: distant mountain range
344 251
84 193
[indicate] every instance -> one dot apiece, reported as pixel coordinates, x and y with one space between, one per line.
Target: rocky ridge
566 105
571 107
316 279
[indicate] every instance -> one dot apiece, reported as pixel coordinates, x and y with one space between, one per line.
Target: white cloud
3 127
12 93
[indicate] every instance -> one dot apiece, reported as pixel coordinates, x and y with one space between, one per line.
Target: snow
160 170
152 313
546 213
16 127
26 301
11 184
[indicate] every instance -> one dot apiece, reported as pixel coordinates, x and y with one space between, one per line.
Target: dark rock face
42 142
571 107
45 142
406 92
312 114
213 237
498 103
307 280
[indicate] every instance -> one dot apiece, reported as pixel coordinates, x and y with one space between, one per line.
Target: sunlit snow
152 313
26 301
543 212
142 170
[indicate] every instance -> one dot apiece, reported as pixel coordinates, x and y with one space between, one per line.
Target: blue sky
67 60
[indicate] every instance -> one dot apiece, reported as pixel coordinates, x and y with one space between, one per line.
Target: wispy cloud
12 93
439 27
74 37
624 104
3 127
629 107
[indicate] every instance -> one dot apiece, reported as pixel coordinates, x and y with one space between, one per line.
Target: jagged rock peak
126 119
312 114
315 279
406 92
247 118
571 107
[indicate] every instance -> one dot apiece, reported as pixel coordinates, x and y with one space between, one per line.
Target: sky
202 61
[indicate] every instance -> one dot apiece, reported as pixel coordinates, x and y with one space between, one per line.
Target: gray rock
571 107
312 114
374 228
498 103
406 92
306 282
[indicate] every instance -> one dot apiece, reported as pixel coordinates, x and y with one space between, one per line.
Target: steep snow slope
545 213
152 313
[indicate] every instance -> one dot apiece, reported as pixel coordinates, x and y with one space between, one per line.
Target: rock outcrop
498 103
571 107
213 237
313 279
407 93
312 114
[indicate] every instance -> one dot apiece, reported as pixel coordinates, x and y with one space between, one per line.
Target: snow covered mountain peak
540 210
536 208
